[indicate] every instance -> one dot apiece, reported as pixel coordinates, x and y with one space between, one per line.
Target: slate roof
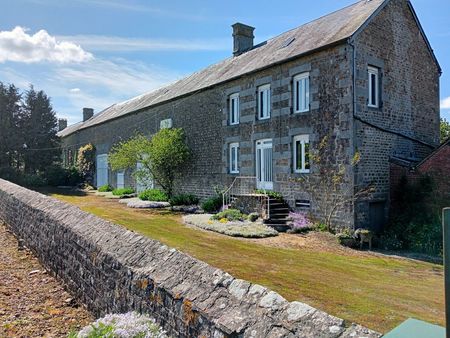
322 32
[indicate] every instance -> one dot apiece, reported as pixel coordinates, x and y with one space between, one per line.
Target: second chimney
242 38
62 124
87 113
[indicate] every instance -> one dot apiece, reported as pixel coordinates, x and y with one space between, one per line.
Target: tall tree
38 125
445 129
9 139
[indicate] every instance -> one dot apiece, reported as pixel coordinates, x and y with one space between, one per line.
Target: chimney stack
62 124
242 38
87 113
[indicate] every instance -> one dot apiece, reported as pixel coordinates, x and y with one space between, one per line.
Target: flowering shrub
300 222
231 215
128 325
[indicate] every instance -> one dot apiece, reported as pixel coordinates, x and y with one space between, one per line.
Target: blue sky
93 53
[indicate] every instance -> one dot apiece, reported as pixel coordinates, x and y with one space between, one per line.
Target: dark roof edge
312 51
416 19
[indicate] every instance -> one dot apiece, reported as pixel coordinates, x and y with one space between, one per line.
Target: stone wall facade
113 270
409 105
392 41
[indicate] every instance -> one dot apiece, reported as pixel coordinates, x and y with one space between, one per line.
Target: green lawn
376 291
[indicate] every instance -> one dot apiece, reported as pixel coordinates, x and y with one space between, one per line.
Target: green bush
123 191
184 199
29 180
57 175
212 204
253 217
105 188
154 195
231 215
270 193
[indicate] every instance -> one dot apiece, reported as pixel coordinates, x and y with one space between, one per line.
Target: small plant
346 238
253 217
154 195
184 199
230 215
300 222
322 227
105 188
126 325
212 204
270 193
123 191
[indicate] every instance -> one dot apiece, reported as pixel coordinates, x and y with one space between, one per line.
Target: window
374 95
234 158
301 93
302 163
234 109
264 102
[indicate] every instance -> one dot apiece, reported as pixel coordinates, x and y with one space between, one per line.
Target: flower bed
245 229
124 325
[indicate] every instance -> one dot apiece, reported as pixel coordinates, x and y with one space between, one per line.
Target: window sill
302 111
301 172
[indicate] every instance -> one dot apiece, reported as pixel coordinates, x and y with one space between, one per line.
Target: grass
376 291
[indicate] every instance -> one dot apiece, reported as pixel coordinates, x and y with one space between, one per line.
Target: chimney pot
87 113
242 38
62 124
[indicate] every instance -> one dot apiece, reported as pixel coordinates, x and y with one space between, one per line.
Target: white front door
120 180
102 170
264 164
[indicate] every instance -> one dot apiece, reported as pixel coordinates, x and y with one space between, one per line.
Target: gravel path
33 303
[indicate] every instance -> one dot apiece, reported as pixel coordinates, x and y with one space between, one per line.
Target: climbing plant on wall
86 162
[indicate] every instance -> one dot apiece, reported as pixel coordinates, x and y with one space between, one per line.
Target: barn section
336 51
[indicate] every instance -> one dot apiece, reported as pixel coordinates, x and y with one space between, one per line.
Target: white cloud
445 103
19 46
74 90
120 44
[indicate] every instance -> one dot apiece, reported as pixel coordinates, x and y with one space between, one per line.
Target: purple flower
300 221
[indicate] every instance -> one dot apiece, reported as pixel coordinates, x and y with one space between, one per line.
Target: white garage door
102 170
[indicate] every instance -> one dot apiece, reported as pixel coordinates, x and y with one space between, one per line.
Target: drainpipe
446 236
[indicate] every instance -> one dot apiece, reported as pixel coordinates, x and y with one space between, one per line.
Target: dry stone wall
114 270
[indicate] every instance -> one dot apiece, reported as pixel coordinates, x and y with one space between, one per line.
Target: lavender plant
300 222
128 325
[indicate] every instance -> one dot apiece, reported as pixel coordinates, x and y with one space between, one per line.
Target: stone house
365 77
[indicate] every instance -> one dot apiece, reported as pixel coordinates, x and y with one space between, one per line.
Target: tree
163 157
445 129
10 99
331 187
38 125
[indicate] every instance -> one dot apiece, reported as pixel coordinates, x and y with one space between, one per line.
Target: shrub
105 188
270 193
253 217
322 227
154 195
29 180
184 199
57 175
123 191
231 215
300 222
212 204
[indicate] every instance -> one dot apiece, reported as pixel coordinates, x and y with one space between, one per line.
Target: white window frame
301 93
373 71
303 139
264 104
234 109
234 155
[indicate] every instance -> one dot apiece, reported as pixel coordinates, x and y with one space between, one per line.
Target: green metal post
446 229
